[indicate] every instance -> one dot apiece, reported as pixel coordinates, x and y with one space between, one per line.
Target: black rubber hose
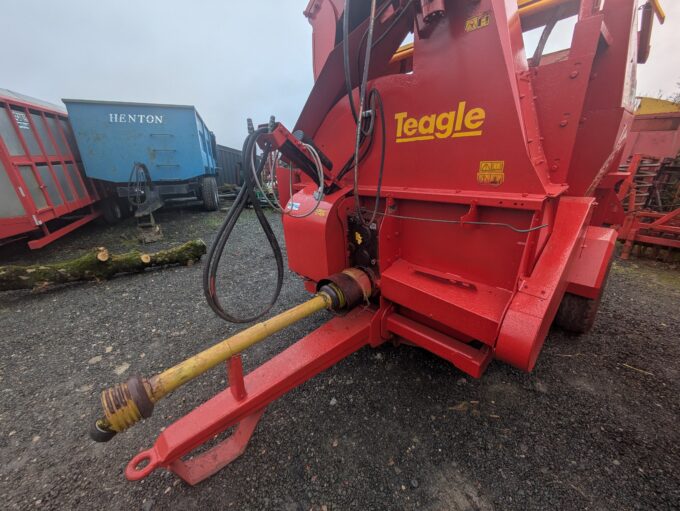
392 25
361 52
345 60
349 164
376 99
246 194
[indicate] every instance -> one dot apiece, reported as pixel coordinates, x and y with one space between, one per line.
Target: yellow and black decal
491 173
477 22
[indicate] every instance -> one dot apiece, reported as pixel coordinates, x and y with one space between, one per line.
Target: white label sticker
135 119
22 120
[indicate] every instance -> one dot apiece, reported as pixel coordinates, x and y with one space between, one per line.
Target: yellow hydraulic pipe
404 52
127 403
660 15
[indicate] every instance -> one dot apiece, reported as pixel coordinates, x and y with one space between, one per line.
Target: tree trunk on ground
97 264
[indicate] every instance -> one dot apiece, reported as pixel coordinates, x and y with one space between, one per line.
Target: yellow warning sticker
477 22
491 173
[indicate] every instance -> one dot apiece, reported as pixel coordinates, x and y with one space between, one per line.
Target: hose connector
348 288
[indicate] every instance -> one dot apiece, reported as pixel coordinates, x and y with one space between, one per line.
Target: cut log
97 264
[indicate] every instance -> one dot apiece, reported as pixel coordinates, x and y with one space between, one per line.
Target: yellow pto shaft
170 379
127 403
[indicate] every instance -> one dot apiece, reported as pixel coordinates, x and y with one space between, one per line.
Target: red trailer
651 197
655 131
642 197
43 193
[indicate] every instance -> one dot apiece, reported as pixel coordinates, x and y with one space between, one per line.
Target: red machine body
490 171
484 206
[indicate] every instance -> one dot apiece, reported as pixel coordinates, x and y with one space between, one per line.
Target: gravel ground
595 426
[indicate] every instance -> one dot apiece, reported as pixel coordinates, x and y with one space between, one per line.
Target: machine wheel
209 193
576 313
111 211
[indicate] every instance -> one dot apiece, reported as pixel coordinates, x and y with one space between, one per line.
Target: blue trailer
170 143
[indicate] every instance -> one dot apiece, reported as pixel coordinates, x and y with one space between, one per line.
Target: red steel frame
36 218
641 226
653 228
467 292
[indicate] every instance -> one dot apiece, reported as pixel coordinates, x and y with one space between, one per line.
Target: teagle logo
454 124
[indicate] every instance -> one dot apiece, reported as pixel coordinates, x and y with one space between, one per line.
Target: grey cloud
231 59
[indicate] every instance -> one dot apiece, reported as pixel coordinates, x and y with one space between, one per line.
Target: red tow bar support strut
244 401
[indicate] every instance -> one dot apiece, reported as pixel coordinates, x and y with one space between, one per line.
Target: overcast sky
231 59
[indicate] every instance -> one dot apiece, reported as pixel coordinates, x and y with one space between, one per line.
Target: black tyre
576 313
111 211
125 208
209 193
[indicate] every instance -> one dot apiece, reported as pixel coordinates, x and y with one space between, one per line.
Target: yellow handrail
658 10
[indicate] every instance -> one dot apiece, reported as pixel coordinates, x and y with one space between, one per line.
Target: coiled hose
245 195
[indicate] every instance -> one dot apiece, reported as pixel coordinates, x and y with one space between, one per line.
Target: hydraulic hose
375 100
345 60
245 195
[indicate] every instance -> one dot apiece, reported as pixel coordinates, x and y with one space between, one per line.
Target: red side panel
316 244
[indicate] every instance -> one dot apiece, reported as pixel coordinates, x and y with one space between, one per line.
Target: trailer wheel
576 313
209 193
111 211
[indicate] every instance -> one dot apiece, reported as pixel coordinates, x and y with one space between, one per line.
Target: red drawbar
322 348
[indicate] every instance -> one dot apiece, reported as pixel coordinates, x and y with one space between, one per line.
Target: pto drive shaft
127 403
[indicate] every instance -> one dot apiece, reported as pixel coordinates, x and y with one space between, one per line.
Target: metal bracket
195 470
